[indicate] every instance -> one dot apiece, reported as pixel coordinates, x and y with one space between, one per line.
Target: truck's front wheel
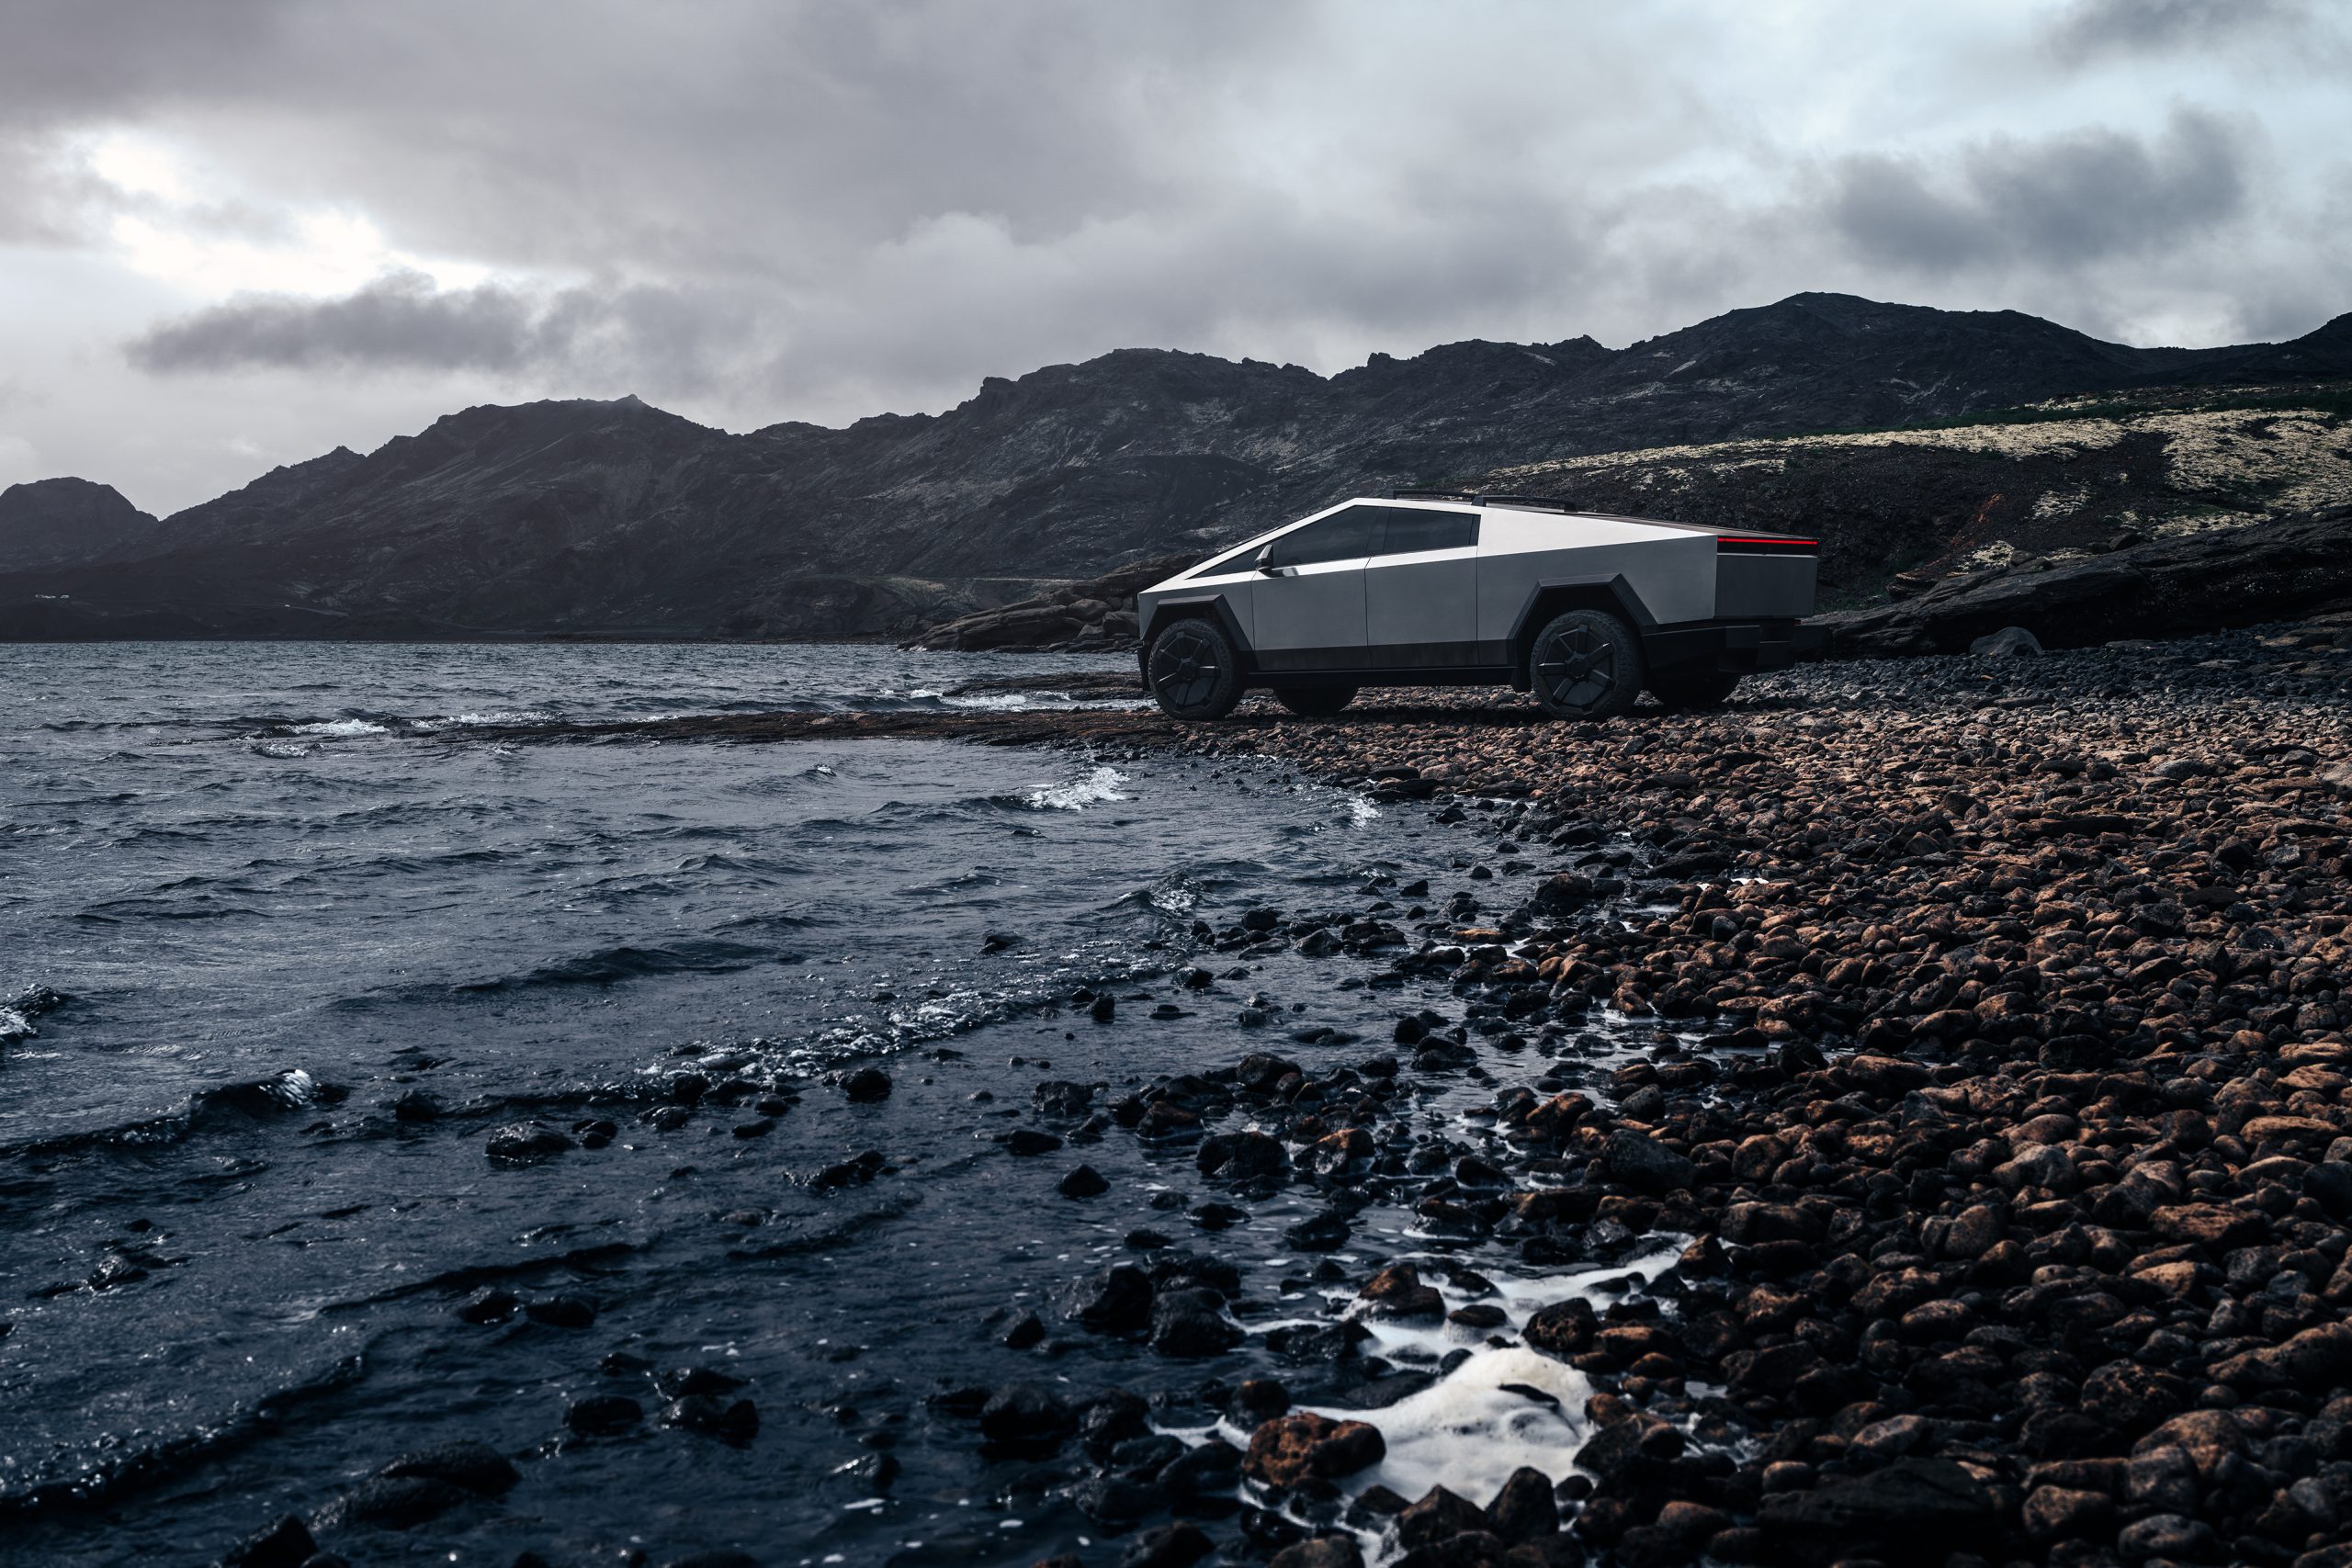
1195 671
1586 664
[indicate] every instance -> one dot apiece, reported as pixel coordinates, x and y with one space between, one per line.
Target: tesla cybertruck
1434 588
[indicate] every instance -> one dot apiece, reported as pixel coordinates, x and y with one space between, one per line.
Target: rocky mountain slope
618 519
58 522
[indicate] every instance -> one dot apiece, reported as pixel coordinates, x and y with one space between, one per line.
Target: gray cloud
2091 30
2072 199
402 320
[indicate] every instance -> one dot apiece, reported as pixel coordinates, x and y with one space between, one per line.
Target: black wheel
1315 702
1195 671
1700 689
1586 664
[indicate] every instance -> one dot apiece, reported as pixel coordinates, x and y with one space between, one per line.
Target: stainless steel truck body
1428 588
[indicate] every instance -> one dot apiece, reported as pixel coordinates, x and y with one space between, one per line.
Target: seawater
287 895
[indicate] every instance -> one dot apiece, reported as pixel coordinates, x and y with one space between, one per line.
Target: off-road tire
1586 664
1193 671
1700 688
1315 702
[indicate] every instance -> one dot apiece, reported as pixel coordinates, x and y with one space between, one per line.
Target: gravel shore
1995 1100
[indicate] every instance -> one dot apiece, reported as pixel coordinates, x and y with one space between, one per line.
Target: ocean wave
341 728
1097 786
609 965
240 1103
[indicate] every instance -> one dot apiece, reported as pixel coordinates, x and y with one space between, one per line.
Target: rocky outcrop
2293 566
1896 511
614 519
1098 613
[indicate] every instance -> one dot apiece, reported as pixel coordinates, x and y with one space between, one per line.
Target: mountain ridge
589 517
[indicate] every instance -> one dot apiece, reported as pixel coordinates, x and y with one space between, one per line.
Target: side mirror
1266 560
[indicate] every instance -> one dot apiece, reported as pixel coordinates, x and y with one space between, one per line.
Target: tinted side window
1344 536
1409 528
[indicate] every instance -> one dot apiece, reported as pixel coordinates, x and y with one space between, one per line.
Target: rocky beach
1900 1117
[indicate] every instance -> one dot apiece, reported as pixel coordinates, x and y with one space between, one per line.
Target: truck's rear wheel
1700 689
1315 702
1586 664
1193 671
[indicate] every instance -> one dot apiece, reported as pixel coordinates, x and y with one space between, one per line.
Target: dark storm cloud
404 321
2065 201
2091 30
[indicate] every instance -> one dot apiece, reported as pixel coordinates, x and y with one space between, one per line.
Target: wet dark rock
1439 1516
2132 1398
1291 1449
676 1382
418 1105
561 1312
1104 1009
1190 1323
1026 1414
1322 1551
396 1502
1397 1291
1241 1156
1907 1509
1176 1545
601 1414
1259 1399
285 1544
1113 1298
723 1558
1644 1164
1112 1418
475 1466
525 1143
867 1086
1525 1508
1117 1501
1025 1330
1324 1232
1084 1181
1202 1471
1028 1142
2062 1513
1148 1455
735 1420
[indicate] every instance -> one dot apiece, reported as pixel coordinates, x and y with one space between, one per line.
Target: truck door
1421 589
1307 609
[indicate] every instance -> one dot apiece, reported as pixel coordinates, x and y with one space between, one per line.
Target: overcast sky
236 232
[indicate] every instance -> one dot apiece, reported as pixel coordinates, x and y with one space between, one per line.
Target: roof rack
1529 502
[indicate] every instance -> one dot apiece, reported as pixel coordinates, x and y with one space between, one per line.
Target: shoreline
2013 1129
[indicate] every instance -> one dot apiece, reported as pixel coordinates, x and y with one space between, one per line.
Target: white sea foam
1076 794
498 716
342 726
1468 1431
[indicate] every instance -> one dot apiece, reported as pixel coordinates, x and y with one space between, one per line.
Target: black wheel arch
1555 597
1195 607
